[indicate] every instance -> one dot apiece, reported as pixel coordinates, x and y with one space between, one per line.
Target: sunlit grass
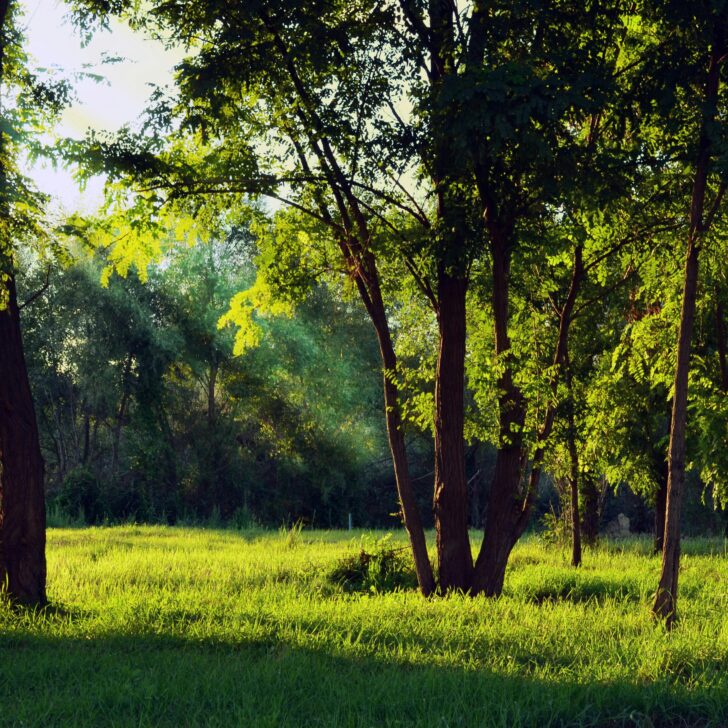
172 626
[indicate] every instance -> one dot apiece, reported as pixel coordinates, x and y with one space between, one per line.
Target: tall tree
22 499
714 33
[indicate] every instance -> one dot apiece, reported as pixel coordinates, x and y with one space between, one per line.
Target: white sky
52 42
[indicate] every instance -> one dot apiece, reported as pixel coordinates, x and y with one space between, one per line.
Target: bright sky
53 43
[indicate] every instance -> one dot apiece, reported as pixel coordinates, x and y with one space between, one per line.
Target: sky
52 42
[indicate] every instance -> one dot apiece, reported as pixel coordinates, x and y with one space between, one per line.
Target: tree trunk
362 267
509 505
22 497
211 382
86 434
666 599
504 521
660 507
451 490
573 473
408 503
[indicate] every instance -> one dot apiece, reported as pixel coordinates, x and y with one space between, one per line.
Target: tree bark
22 497
509 505
573 473
395 434
666 600
665 605
503 519
451 490
211 383
660 508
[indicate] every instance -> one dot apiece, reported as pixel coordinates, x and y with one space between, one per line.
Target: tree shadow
154 680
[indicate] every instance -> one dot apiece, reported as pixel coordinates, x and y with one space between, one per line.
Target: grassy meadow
175 626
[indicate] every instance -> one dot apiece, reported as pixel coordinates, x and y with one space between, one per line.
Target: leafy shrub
381 570
556 527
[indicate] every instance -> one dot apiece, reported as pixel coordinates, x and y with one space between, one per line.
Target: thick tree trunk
666 599
451 490
22 497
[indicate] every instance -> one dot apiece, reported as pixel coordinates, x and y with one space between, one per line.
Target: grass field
174 627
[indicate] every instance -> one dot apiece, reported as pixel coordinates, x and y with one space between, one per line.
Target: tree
22 501
712 24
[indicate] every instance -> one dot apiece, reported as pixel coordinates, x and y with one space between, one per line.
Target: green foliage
136 384
383 568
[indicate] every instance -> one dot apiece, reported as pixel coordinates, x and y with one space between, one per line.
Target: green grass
170 626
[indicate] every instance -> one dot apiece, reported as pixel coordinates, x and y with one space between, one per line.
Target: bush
381 570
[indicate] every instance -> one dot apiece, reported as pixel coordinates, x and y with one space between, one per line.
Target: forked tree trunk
451 490
22 498
510 504
504 521
666 599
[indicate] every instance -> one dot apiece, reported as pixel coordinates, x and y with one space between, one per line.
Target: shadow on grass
148 680
578 588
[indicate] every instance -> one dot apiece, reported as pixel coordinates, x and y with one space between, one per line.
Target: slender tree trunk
86 435
573 473
666 599
211 383
363 269
22 497
451 490
395 434
660 508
